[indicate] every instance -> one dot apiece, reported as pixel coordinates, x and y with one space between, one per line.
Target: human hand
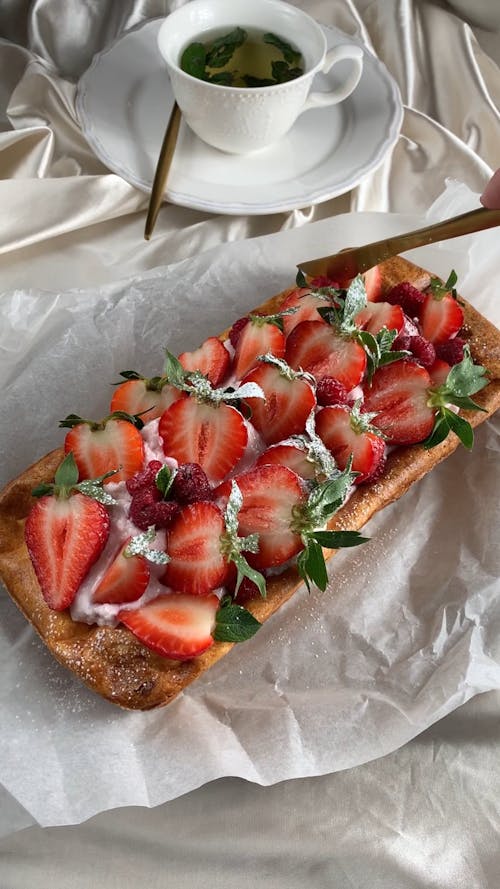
490 197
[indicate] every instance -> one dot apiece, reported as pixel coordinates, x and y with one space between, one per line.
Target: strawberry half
315 347
104 445
196 564
212 359
65 536
377 315
124 581
288 402
261 336
440 318
214 436
347 433
270 496
398 395
292 456
306 304
373 283
176 626
144 396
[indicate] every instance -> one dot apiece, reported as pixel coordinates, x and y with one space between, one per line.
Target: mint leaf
174 371
324 500
462 429
465 378
222 49
282 73
222 78
355 300
438 289
311 565
193 60
291 55
140 546
244 570
300 279
338 539
164 479
439 432
233 623
233 547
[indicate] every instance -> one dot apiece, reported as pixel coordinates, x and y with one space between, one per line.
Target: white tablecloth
428 814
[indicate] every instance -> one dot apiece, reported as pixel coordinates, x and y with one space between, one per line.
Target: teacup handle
338 54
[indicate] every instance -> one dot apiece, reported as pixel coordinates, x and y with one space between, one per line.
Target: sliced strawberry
138 396
317 348
258 337
440 318
196 565
344 437
213 436
211 358
373 284
65 536
100 447
177 625
270 497
124 581
292 456
286 407
377 315
306 305
398 395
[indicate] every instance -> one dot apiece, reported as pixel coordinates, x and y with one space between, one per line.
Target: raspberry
164 513
422 350
407 296
452 351
330 391
144 479
190 484
402 343
142 506
236 329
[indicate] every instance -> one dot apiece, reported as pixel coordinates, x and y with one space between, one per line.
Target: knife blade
348 263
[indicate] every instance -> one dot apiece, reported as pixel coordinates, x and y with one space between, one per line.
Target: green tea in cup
242 58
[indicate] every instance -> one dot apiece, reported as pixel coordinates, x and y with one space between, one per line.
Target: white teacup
239 120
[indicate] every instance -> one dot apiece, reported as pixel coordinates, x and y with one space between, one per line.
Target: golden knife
162 169
350 262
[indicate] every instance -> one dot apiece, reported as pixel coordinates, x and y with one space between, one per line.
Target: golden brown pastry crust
112 661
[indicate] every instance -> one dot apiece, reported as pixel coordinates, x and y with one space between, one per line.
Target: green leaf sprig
140 546
309 519
438 289
463 380
206 61
233 623
233 546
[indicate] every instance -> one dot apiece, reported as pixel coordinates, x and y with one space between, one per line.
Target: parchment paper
407 630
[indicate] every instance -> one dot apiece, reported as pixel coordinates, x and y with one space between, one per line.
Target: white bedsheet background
62 210
427 815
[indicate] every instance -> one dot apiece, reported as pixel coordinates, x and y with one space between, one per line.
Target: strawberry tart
162 534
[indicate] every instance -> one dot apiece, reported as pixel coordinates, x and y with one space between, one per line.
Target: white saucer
124 99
